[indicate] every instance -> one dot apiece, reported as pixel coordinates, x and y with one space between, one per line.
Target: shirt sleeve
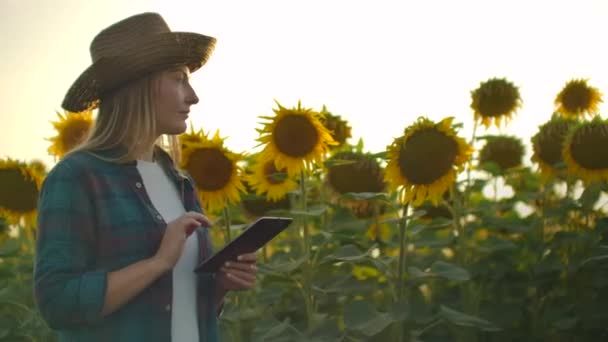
67 291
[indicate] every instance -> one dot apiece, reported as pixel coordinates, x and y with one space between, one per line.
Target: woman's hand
238 275
174 238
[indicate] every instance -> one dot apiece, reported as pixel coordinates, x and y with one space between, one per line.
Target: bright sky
380 64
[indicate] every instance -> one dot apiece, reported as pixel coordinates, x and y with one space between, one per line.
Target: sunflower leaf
348 253
367 196
441 269
464 320
310 212
590 196
10 248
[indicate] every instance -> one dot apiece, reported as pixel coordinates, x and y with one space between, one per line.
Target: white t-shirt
165 198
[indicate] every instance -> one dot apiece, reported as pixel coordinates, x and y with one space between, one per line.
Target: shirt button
138 185
168 307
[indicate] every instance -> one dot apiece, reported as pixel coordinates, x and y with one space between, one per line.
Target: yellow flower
495 100
72 129
191 137
424 162
215 171
577 99
339 129
375 234
294 139
584 151
256 206
20 186
547 146
356 172
504 151
266 179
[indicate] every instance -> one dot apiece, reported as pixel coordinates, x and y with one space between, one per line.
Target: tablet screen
253 238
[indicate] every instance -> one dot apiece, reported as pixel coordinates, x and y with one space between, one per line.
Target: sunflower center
273 176
259 206
74 133
426 156
496 98
210 168
550 142
587 147
295 136
362 175
19 194
577 98
506 152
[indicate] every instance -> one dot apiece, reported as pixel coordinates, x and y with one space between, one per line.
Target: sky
379 64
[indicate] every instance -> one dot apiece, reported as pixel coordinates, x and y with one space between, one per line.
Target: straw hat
130 49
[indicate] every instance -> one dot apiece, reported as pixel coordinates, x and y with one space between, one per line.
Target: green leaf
282 331
347 253
494 244
367 196
594 259
311 212
282 267
441 269
9 248
362 317
566 323
590 196
464 320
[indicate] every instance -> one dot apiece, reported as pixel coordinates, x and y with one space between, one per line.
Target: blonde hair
127 117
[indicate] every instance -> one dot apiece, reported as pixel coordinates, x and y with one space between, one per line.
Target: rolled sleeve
68 291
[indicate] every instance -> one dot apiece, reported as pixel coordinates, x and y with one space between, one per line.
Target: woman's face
175 96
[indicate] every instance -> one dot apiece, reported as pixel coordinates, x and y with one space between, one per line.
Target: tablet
250 240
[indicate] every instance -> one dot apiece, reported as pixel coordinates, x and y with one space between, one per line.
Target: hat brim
163 51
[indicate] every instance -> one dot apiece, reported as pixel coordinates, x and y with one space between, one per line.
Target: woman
120 227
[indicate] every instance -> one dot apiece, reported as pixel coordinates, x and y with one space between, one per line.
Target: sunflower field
439 237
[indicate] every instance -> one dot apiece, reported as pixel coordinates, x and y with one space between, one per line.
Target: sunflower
294 139
256 206
215 171
191 137
441 210
355 172
495 99
20 186
359 173
72 129
339 129
577 99
423 163
547 145
4 230
266 179
375 234
504 151
583 151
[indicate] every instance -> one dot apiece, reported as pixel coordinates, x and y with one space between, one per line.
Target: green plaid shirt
95 217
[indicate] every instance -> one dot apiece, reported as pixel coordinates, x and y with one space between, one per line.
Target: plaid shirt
95 217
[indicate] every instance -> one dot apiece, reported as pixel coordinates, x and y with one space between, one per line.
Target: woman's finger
248 257
246 276
243 266
242 283
202 219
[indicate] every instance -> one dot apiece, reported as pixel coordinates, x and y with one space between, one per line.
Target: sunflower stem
308 301
402 252
227 236
469 166
470 293
401 271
